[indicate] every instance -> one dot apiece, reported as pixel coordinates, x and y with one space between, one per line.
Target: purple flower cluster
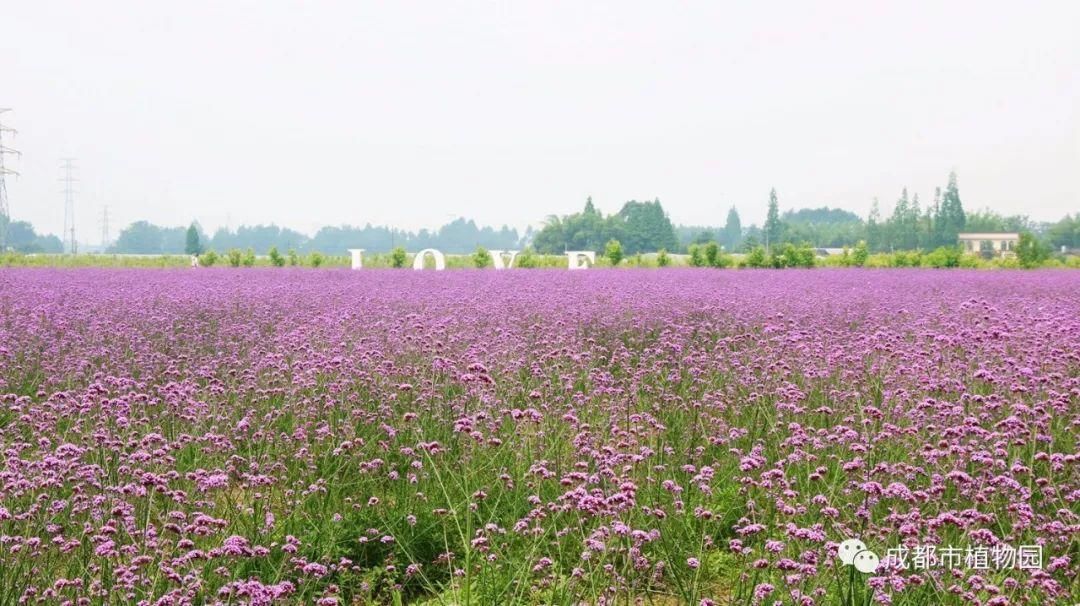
336 437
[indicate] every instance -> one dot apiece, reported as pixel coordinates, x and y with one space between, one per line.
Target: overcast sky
411 113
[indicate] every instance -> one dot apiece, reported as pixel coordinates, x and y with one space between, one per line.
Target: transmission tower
68 166
105 228
5 209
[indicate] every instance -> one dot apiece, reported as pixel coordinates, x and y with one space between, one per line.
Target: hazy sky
411 113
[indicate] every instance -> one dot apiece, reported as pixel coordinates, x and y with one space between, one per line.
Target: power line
5 209
68 166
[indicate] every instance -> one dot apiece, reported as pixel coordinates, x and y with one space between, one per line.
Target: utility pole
105 228
68 166
5 209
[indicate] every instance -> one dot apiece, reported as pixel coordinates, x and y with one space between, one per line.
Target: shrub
860 254
662 258
481 258
941 257
803 256
316 259
697 256
716 257
756 258
398 257
294 259
208 258
793 256
783 257
906 258
879 260
712 254
527 259
613 252
249 258
275 257
971 261
234 257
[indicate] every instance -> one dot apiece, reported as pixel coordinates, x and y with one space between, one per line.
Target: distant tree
752 238
732 230
1030 251
639 227
902 226
141 237
49 243
823 227
614 252
875 238
926 227
774 229
644 226
398 257
192 246
986 220
1065 233
587 230
481 258
951 217
551 239
704 237
913 240
662 258
818 216
21 237
275 257
936 237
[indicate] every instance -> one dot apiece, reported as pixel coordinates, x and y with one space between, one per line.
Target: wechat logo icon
853 552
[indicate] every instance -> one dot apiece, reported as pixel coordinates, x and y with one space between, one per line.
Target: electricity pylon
5 208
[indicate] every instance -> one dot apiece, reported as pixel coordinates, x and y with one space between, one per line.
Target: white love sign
357 257
497 260
580 259
440 260
500 259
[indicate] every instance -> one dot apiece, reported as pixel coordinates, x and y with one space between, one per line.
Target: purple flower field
538 437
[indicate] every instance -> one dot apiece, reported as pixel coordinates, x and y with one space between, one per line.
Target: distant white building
1001 244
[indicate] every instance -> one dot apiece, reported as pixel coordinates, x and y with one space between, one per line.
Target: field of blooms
544 437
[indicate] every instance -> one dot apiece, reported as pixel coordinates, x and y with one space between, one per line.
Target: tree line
458 236
638 227
22 237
